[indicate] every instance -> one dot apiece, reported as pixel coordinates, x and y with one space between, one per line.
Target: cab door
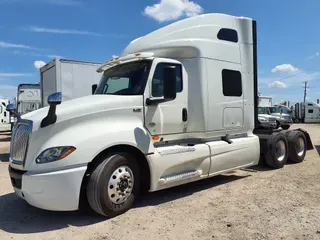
167 117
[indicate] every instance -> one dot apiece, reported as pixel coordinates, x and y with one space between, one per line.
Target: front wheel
114 185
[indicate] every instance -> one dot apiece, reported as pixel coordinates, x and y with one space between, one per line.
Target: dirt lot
252 204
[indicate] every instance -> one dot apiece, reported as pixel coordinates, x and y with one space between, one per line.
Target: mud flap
308 139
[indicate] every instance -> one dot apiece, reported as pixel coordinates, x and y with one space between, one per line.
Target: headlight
54 154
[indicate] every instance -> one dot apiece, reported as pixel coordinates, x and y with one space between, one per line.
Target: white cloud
13 45
11 75
114 56
277 84
168 10
60 31
284 68
39 64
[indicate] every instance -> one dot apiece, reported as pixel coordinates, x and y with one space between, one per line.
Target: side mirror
55 99
11 107
169 83
94 87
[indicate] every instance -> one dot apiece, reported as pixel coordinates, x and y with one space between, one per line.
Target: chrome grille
20 141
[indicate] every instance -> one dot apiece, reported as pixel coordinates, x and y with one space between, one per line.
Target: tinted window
228 35
310 104
231 83
157 81
310 111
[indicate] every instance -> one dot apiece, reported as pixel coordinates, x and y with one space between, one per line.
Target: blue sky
35 31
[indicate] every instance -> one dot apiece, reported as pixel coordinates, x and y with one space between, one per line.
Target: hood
265 116
85 106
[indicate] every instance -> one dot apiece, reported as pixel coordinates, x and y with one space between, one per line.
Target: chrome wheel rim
280 150
120 185
300 146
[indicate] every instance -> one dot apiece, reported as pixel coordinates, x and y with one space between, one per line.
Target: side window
157 81
231 83
227 34
310 104
310 111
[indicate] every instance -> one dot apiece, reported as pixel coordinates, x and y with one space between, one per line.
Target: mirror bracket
154 101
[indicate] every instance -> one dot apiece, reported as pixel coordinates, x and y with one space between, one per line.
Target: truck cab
172 109
282 115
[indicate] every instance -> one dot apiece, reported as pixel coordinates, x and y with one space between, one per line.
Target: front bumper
55 191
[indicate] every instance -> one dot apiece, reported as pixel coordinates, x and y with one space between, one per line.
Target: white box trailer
265 101
172 109
28 98
72 78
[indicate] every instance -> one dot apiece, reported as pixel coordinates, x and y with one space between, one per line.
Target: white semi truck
178 105
307 112
72 78
28 98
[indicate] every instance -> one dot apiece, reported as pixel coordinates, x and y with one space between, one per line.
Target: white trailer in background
28 98
5 123
72 78
307 112
265 101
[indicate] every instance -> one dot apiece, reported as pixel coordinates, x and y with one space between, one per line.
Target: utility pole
305 90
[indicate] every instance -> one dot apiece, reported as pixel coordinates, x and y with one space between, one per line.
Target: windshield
125 79
262 110
274 110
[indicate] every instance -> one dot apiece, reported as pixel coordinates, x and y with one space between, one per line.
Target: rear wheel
277 154
297 146
114 185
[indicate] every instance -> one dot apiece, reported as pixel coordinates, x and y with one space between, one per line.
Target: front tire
277 154
114 185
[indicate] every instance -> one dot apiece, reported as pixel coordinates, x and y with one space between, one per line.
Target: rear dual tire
282 147
114 185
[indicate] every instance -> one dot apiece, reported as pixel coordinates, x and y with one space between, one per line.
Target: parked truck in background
307 112
282 115
265 120
28 98
170 110
5 124
72 78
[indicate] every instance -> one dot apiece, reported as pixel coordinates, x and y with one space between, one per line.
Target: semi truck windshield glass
274 110
125 79
262 110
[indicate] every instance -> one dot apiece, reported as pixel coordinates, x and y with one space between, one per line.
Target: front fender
90 136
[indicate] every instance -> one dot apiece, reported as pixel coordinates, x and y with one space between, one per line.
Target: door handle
184 115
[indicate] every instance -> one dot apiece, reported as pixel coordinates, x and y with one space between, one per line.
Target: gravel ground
246 204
